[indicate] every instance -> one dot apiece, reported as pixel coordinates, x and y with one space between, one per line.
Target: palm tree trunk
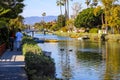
61 9
67 9
102 18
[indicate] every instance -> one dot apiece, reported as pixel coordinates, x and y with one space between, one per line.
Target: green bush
37 65
94 30
29 45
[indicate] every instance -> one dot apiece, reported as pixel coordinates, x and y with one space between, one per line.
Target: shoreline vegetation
91 36
37 65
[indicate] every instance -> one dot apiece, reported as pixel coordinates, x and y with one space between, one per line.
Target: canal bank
92 36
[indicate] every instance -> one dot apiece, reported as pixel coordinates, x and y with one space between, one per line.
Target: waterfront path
12 66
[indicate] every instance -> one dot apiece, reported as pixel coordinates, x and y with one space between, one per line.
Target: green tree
114 20
87 19
107 4
60 3
87 2
38 26
61 21
10 9
70 24
17 23
99 11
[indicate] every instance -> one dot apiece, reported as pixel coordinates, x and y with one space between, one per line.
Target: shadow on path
12 66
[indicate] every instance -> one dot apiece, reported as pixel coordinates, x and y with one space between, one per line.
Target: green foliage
30 46
3 35
70 24
15 7
39 26
17 23
37 65
64 29
86 18
10 9
94 30
54 27
2 24
61 21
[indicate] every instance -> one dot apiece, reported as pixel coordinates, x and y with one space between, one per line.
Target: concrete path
12 66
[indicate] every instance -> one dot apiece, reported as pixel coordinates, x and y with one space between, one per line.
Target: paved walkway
12 66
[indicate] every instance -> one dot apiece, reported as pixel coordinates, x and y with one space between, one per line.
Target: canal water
83 59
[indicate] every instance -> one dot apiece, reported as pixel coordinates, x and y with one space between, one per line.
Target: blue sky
37 7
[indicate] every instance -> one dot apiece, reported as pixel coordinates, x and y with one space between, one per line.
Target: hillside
35 19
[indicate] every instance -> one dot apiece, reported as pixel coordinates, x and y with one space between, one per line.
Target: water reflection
112 70
65 64
85 60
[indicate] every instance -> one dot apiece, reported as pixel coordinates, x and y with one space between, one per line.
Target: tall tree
95 2
114 20
60 3
76 8
66 4
43 14
87 2
107 4
61 21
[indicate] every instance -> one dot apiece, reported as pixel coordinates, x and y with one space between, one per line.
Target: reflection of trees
90 58
112 62
66 67
65 63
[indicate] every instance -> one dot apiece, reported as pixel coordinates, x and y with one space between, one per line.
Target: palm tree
43 14
95 2
66 4
60 3
66 12
87 2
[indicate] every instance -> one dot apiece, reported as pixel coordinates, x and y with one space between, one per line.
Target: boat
38 40
51 40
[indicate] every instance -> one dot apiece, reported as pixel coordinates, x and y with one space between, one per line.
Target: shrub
94 30
30 46
37 65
